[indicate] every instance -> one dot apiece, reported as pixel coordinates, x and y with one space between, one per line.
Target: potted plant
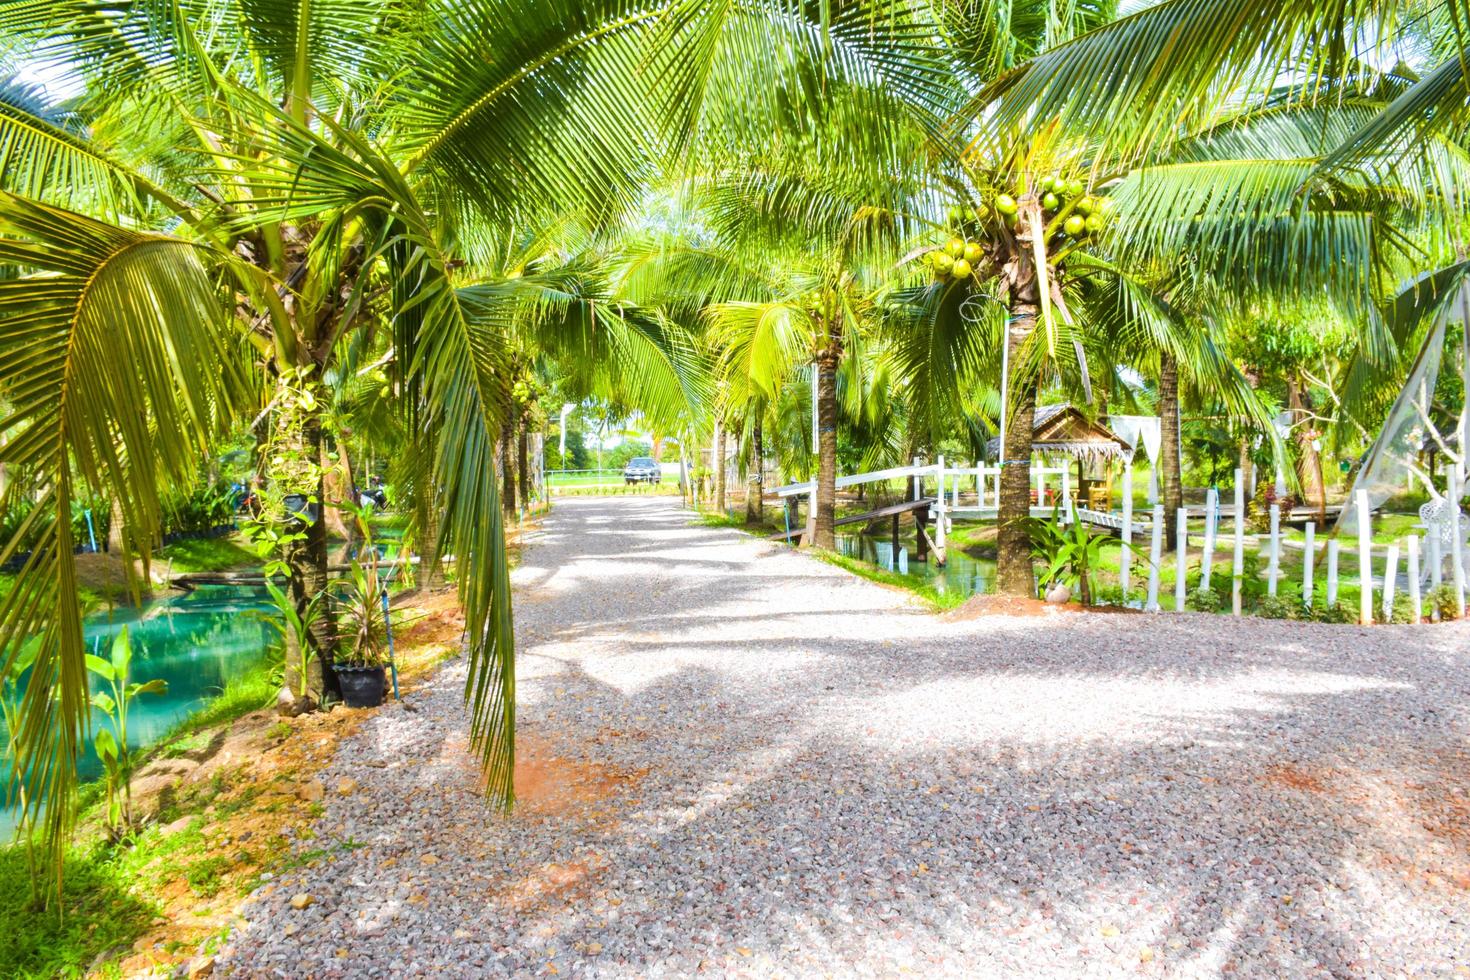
362 657
1071 553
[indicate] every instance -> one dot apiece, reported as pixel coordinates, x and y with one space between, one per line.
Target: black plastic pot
362 687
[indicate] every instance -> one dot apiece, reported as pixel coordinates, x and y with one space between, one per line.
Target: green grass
615 489
256 688
938 601
591 478
90 598
206 554
100 910
106 901
735 521
389 520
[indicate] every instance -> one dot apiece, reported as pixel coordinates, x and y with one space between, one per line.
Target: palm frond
119 365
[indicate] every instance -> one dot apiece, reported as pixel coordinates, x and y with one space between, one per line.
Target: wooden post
1390 576
1181 558
1365 559
1156 553
895 537
1333 547
921 542
1125 558
1212 527
1273 567
1238 566
1415 598
1309 557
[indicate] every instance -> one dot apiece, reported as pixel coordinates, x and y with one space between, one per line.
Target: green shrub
1403 609
1113 595
1335 613
1202 600
1278 607
1441 598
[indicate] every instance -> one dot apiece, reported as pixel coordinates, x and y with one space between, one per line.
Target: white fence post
1238 567
1212 526
1125 558
1457 545
1365 559
1415 597
1333 547
1273 567
1156 552
1390 576
941 512
1181 558
1436 560
1309 561
918 481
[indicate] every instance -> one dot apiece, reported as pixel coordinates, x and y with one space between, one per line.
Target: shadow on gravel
1080 795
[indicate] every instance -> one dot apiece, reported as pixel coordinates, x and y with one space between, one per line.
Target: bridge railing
948 484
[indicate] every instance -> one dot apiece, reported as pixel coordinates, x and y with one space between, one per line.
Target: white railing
948 482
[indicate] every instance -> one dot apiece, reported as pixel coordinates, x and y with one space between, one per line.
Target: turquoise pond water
195 642
961 573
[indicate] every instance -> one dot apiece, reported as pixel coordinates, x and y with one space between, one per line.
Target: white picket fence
1424 556
1377 578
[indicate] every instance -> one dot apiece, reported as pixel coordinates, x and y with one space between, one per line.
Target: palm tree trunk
754 504
430 571
1171 477
523 460
824 524
718 466
1014 575
1309 465
507 468
307 561
336 488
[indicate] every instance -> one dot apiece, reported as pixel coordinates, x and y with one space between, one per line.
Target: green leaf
101 668
122 654
106 745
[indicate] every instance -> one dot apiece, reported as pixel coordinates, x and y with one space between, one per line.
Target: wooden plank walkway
892 510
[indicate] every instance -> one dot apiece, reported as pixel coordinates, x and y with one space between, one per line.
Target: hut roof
1063 429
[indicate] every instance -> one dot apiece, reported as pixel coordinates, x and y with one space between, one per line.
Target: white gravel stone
797 772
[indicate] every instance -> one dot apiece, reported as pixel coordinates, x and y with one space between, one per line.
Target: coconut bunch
1067 207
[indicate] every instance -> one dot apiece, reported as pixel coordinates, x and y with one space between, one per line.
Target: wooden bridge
983 502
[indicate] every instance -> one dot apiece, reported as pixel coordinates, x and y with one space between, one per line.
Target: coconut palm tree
232 208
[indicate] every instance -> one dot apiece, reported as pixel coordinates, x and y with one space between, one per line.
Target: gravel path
741 761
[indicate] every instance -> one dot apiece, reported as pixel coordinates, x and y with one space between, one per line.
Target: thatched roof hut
1063 430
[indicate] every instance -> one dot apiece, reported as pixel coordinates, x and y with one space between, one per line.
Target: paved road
739 760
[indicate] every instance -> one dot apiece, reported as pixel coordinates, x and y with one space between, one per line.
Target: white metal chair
1438 517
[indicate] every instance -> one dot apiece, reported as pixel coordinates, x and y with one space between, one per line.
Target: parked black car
642 469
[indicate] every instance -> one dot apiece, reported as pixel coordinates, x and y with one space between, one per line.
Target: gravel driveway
740 760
